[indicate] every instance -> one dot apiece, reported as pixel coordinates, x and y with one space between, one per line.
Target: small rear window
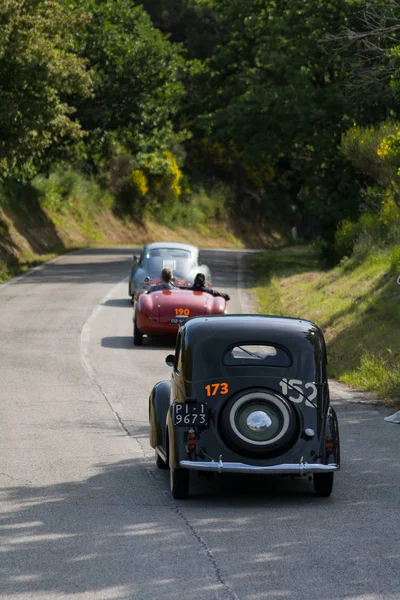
259 355
168 253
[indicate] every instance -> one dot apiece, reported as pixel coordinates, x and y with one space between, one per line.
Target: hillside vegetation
290 107
226 122
357 304
67 210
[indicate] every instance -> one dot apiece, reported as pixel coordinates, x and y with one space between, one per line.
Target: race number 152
305 390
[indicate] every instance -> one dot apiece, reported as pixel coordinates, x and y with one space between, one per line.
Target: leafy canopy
137 89
39 74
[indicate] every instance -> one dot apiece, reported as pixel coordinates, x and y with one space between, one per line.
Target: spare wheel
258 422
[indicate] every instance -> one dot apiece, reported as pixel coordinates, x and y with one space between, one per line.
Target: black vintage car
248 394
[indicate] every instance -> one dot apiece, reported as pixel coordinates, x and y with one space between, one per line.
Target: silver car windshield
168 253
179 260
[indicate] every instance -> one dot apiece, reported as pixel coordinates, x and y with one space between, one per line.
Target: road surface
84 512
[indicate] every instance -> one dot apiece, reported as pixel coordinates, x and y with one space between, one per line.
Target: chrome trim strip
231 467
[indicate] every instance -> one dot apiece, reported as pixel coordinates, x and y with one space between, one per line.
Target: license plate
188 414
178 320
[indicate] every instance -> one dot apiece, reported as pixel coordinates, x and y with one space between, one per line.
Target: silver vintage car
183 259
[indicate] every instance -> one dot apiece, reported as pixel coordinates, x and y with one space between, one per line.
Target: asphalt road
84 512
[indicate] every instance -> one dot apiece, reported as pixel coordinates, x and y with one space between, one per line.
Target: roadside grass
357 304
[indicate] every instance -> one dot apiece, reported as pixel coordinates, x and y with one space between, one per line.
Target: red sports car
159 313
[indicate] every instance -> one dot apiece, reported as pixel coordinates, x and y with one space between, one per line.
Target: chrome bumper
232 467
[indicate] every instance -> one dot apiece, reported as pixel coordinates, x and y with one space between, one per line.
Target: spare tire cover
258 422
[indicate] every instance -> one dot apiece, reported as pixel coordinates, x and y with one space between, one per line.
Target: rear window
168 253
259 355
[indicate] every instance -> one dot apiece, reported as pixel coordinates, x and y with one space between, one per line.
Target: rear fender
331 442
173 439
145 303
158 409
218 305
146 310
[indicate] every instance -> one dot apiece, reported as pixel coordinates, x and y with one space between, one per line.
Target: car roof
249 326
217 332
205 340
188 247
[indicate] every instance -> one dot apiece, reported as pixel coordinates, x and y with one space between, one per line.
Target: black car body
248 394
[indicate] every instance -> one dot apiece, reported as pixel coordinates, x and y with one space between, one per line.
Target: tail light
191 442
329 445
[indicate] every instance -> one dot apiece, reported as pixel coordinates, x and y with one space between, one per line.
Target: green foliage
371 230
140 184
137 90
378 374
356 304
273 98
360 145
191 22
39 74
67 192
374 153
199 208
174 93
346 237
4 271
395 260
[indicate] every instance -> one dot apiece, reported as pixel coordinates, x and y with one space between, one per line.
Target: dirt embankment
31 235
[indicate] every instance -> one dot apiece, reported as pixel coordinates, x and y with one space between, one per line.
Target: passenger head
166 275
199 280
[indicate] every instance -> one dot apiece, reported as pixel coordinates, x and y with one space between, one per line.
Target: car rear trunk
183 306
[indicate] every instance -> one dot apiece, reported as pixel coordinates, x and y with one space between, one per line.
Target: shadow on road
122 342
118 303
121 527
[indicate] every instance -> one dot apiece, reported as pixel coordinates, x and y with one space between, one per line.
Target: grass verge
357 304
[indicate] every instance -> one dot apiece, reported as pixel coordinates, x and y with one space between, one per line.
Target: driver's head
166 275
199 280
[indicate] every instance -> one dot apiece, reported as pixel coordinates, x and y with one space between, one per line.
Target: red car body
160 313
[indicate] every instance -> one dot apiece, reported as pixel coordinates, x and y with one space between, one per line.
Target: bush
395 260
346 237
198 207
69 192
372 229
390 218
360 145
164 175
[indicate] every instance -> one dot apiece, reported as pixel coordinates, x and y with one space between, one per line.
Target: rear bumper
231 467
156 328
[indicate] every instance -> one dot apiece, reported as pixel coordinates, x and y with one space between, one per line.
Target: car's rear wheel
323 484
137 334
259 423
179 483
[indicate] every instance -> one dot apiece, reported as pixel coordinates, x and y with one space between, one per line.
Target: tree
274 96
39 74
137 88
374 39
189 22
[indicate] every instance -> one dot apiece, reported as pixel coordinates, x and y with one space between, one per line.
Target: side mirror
135 258
170 360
